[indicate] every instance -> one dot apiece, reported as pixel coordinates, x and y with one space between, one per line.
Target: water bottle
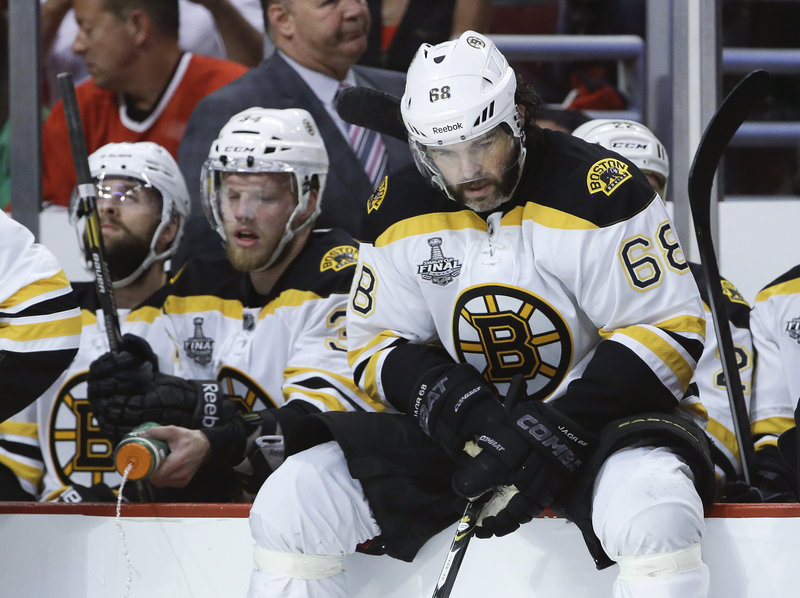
144 454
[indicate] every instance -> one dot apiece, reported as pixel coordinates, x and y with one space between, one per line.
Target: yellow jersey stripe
724 435
773 425
203 303
790 287
46 285
430 223
290 298
663 350
69 326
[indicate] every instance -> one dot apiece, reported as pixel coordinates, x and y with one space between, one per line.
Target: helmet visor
480 172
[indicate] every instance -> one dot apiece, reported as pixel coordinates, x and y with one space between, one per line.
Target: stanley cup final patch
199 347
607 175
439 269
793 329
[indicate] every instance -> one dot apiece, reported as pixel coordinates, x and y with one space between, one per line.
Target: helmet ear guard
155 168
632 140
262 140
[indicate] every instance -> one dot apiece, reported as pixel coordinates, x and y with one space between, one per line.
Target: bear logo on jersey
339 258
440 270
199 347
607 175
81 453
503 331
732 293
793 328
376 199
241 389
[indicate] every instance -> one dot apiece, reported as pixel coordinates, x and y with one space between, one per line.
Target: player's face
129 214
325 35
105 43
477 172
255 208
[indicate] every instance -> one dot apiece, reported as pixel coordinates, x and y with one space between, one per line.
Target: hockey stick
372 109
88 209
469 520
730 115
458 547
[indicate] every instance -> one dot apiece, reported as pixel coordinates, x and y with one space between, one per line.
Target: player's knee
660 529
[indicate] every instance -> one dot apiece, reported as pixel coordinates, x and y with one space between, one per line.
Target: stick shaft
458 547
88 210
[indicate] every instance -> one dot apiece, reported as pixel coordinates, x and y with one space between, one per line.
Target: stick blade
735 108
373 109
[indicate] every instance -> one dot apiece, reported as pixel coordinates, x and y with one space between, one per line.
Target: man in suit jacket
317 46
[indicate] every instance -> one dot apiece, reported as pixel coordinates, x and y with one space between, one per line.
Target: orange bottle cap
139 455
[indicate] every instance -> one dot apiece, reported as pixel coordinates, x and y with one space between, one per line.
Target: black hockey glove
773 476
126 389
535 448
252 443
453 404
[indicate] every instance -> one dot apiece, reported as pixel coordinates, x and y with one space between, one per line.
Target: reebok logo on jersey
607 175
440 270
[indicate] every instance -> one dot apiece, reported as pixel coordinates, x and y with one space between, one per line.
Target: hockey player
535 255
267 323
39 320
774 411
142 204
40 327
638 144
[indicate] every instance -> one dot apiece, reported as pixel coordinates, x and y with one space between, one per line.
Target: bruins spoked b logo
504 331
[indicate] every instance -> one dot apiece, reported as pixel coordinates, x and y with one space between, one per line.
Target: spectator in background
143 86
231 29
317 45
558 119
400 26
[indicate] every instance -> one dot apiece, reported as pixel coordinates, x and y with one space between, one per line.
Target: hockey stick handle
734 109
88 209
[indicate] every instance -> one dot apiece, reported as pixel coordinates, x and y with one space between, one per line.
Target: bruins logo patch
241 389
732 292
339 258
504 331
606 176
376 199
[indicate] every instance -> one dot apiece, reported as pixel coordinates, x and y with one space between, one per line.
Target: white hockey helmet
632 140
457 91
154 167
263 140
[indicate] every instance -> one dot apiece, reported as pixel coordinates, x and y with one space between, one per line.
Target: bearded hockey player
533 255
142 204
263 328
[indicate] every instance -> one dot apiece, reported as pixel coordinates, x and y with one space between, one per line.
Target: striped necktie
368 147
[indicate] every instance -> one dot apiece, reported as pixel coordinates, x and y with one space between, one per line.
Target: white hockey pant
307 516
649 519
310 513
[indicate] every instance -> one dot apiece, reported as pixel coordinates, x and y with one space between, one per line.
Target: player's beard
500 191
126 253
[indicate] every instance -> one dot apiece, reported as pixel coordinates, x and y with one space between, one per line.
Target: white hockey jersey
579 284
269 350
775 324
57 441
709 378
40 323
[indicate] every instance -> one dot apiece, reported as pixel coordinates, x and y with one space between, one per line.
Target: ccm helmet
154 168
263 140
632 140
457 91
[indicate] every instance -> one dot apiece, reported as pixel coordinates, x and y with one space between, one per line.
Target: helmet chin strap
289 234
